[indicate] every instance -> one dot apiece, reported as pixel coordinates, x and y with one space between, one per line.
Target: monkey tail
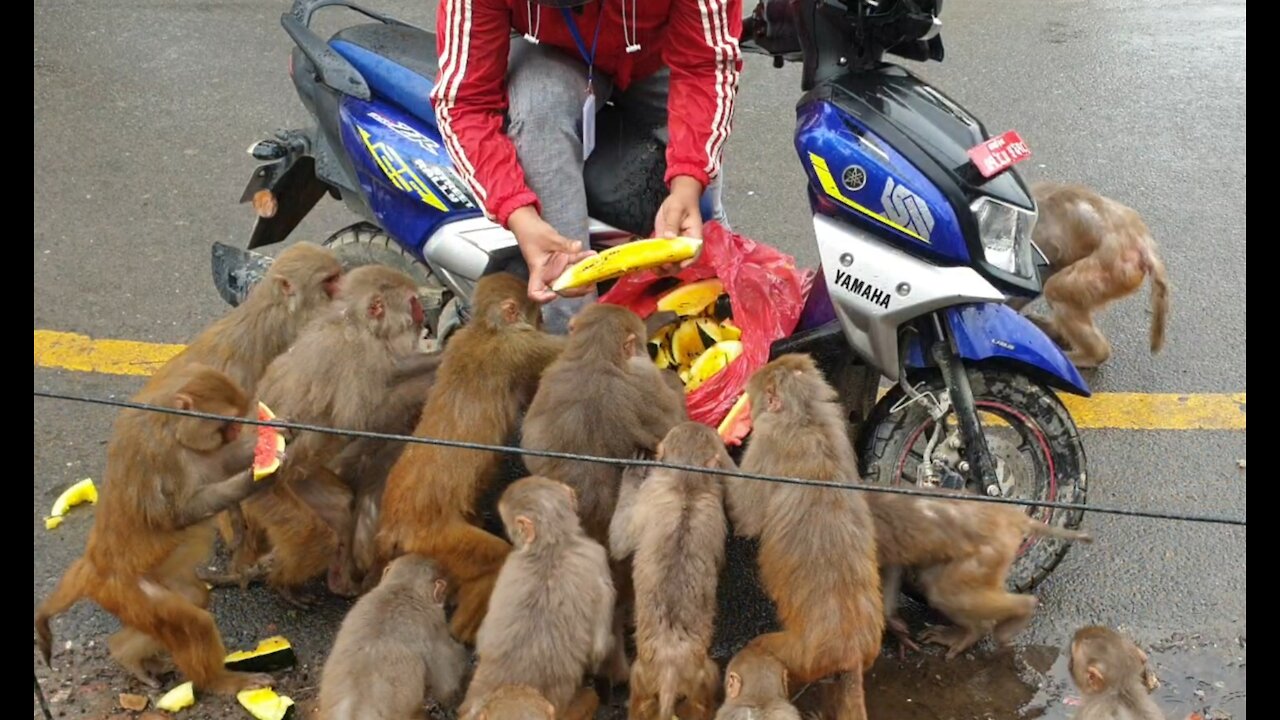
1159 299
1046 530
70 589
668 687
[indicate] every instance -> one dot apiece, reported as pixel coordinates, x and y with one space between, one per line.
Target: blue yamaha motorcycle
923 231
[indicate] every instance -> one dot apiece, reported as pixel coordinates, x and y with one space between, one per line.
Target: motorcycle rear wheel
1039 442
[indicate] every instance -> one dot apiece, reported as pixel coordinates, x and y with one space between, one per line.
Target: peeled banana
716 358
626 258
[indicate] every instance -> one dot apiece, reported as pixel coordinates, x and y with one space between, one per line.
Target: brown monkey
488 374
166 477
963 552
355 368
1112 676
1099 251
817 554
627 407
297 288
513 702
674 524
394 649
550 615
755 688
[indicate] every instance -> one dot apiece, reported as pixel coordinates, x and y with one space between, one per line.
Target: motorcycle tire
366 244
1050 442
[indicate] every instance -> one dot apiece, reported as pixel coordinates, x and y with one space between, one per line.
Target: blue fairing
857 177
407 178
988 331
392 81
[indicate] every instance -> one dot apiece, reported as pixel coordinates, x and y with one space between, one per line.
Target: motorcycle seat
398 62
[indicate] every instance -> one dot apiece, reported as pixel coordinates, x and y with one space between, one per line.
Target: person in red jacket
515 101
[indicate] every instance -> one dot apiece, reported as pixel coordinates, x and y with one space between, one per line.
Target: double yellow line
1115 411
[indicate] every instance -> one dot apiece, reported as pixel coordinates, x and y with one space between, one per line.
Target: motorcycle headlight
1005 231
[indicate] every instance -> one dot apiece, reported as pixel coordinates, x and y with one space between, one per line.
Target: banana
716 358
81 492
626 258
692 298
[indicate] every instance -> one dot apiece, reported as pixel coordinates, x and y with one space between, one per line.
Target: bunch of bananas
702 340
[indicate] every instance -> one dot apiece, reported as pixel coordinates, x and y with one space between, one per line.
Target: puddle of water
1033 682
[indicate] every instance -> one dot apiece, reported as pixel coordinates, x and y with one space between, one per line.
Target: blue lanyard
590 60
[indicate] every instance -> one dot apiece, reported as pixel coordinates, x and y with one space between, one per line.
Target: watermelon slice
737 424
266 458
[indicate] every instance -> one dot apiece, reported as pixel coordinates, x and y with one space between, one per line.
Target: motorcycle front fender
993 331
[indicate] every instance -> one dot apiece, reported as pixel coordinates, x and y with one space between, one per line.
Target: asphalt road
143 111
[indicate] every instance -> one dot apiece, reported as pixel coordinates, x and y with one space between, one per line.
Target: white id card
588 125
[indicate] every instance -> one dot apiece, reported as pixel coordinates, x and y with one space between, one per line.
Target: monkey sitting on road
674 524
1099 251
1112 675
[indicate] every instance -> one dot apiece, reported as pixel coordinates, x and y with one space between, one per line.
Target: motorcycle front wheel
1028 430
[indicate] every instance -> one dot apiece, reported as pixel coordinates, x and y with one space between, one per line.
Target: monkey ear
385 569
438 591
524 526
1094 678
629 345
286 287
183 401
510 311
732 685
772 400
377 307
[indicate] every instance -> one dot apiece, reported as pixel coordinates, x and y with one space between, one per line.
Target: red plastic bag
766 291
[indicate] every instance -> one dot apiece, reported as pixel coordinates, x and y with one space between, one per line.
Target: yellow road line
1115 410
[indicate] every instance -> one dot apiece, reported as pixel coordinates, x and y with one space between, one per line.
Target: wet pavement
143 111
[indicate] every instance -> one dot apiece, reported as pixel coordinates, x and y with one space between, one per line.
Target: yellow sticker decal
832 189
399 172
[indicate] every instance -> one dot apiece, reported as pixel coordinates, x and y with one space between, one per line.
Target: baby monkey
1112 675
755 688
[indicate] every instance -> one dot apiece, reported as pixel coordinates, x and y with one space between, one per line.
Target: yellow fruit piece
732 417
659 347
716 358
265 704
626 258
178 698
686 343
729 331
709 331
692 298
82 492
274 653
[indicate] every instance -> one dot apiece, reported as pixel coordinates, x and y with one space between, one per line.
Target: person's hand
546 252
681 215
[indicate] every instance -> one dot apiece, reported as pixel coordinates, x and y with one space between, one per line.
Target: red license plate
999 153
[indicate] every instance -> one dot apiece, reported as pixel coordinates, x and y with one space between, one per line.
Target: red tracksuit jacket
697 39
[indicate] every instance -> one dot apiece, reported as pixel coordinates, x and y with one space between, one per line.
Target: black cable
508 450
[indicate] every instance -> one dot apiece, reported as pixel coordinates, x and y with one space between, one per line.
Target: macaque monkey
673 524
550 616
1112 676
755 688
603 396
486 378
1099 251
513 702
394 649
963 553
817 554
166 477
351 369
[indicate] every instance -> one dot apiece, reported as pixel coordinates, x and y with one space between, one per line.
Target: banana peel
182 696
716 358
265 704
627 258
692 298
81 492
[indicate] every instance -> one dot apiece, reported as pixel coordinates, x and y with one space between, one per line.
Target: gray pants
546 89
